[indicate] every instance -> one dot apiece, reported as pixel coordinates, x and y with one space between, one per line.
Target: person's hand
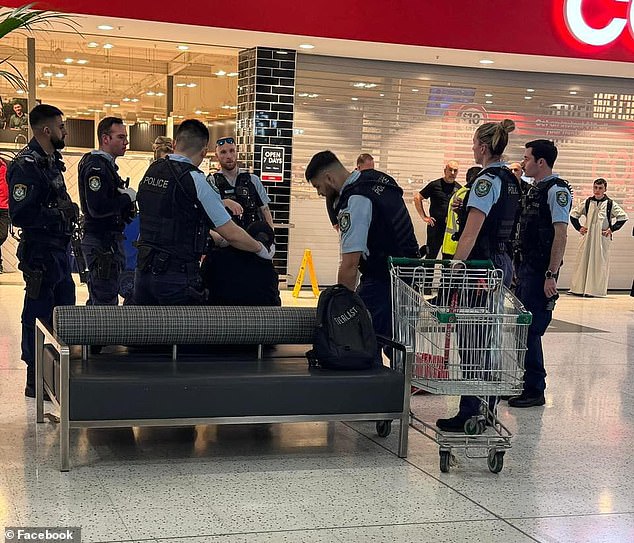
233 206
607 232
266 254
430 221
550 287
131 193
69 210
583 230
456 205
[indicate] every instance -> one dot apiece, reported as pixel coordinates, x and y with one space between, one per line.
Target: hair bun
508 125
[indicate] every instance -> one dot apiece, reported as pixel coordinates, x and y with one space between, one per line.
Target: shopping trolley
468 338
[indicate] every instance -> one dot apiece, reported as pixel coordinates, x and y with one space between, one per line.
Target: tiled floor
568 478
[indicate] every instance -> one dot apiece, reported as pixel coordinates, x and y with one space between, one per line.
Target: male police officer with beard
242 188
177 207
374 224
542 242
41 207
107 205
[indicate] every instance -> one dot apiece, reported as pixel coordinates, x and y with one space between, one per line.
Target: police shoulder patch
94 183
482 187
562 198
19 192
344 222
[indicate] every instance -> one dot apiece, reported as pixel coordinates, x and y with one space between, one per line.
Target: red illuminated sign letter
580 29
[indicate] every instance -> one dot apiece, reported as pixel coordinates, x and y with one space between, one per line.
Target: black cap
261 231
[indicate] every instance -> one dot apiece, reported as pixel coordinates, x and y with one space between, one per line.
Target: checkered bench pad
180 325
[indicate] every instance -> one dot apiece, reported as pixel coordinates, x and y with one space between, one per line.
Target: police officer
41 207
486 224
177 207
107 205
542 242
243 188
374 224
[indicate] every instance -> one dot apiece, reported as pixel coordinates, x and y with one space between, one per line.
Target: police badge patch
562 198
19 192
344 222
94 183
482 188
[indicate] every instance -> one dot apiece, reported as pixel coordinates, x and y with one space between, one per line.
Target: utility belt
158 262
41 239
108 236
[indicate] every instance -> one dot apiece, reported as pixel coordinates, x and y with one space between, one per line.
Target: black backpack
344 338
608 211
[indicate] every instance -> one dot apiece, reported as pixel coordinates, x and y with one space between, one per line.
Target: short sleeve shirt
559 202
439 193
485 191
354 221
259 187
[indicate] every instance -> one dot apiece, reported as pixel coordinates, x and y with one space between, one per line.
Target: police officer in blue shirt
243 188
41 207
374 224
542 241
177 207
487 219
107 205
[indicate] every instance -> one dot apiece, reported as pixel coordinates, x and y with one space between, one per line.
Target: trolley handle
402 261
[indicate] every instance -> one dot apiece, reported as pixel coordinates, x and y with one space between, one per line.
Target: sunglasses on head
222 141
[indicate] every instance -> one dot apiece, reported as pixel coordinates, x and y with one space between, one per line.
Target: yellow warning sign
307 262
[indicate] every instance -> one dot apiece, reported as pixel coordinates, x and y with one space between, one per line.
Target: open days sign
273 164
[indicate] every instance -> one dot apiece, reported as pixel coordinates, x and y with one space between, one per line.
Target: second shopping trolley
467 333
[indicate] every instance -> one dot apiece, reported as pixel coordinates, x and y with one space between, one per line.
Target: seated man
234 277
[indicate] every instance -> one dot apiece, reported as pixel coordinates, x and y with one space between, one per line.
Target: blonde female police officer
488 215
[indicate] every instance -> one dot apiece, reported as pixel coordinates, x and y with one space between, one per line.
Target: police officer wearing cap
542 241
242 188
107 204
40 206
486 224
177 207
374 223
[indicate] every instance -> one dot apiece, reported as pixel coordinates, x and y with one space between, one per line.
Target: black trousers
4 229
435 236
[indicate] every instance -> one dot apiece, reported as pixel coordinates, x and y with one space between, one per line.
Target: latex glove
130 192
266 254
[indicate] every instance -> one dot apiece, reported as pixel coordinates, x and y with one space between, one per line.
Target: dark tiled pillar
266 96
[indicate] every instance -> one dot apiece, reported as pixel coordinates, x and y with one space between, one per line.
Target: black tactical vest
114 222
391 231
536 230
497 228
244 193
172 219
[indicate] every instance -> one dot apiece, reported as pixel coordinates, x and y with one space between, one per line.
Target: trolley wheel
445 461
383 428
495 461
474 426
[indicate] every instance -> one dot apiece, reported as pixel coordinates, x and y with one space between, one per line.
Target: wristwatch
549 275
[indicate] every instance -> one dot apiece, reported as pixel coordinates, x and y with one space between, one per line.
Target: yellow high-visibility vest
449 245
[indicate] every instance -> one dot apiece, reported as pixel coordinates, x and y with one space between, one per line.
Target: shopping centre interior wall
413 118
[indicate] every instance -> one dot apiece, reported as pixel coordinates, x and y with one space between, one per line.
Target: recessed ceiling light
191 85
48 72
108 46
126 99
134 100
183 47
20 91
530 90
314 95
105 27
41 83
92 44
487 61
489 102
302 94
573 92
354 99
488 95
150 93
220 73
181 84
160 94
358 85
198 112
232 74
528 97
414 90
306 46
69 60
381 94
82 61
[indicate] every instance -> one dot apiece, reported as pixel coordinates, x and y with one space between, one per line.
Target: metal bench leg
64 426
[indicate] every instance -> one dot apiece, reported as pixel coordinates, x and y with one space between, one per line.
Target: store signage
609 33
273 164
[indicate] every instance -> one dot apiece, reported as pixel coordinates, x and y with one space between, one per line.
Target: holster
104 265
33 279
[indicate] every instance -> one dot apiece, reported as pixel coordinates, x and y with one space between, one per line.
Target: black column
266 96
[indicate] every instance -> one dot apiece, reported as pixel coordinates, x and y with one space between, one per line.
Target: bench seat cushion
232 383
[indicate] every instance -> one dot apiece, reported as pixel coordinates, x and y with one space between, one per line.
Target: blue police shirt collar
547 178
108 156
35 146
351 179
495 165
180 158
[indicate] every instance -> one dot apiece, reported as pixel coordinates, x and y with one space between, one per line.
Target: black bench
226 365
